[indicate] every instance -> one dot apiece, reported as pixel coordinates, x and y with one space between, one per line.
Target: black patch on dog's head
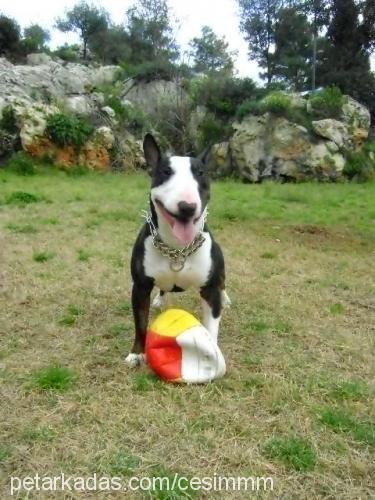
200 174
160 169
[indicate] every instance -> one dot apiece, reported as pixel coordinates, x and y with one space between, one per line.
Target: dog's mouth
182 228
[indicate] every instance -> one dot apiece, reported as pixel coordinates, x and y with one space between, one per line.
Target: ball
180 349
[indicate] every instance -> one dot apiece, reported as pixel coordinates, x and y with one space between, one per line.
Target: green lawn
297 401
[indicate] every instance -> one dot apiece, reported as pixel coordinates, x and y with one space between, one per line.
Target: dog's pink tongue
183 232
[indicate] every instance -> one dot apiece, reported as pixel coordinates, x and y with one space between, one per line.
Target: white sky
220 15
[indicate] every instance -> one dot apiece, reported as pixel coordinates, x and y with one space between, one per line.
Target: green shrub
360 165
211 130
115 103
76 170
148 71
21 163
8 120
221 93
327 103
69 53
66 130
22 198
248 107
278 103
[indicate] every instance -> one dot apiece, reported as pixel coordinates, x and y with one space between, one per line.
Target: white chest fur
194 274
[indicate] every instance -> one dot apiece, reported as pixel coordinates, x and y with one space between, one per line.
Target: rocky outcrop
260 147
44 87
273 147
46 79
150 96
218 161
265 147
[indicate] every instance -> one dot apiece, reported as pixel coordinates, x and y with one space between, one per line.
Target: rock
248 146
334 130
196 118
7 143
219 161
297 100
45 79
130 153
31 120
109 111
105 137
38 59
324 164
95 156
78 105
355 114
272 147
150 96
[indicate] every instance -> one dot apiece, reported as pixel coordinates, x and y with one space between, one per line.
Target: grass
71 315
340 420
53 377
43 256
21 228
296 402
294 452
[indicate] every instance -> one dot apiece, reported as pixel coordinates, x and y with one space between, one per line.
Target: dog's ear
151 151
203 156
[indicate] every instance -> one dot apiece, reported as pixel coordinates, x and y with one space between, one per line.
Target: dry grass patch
298 340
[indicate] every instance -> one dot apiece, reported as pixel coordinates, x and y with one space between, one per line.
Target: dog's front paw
133 360
159 301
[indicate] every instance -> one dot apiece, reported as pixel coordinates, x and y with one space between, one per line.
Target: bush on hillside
8 120
278 103
21 163
221 94
360 165
65 130
327 103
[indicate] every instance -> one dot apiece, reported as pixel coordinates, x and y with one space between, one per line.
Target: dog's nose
187 209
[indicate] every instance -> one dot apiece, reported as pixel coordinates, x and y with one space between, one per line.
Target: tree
35 38
368 25
318 10
211 53
292 48
85 19
9 37
150 32
347 56
257 23
111 45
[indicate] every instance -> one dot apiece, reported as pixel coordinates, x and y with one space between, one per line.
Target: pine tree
347 61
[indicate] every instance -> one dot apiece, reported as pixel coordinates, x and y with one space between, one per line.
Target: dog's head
180 191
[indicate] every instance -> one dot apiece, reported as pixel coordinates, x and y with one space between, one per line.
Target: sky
220 15
191 15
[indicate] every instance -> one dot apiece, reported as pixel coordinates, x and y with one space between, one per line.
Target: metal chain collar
177 256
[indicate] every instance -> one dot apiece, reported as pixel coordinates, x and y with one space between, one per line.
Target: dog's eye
167 171
199 172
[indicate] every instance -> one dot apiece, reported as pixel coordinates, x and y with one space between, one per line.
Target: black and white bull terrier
175 250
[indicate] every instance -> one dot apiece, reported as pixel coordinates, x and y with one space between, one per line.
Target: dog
174 249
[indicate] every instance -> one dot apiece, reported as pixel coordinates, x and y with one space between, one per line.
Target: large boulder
248 147
355 114
264 147
44 78
341 133
219 161
31 119
150 96
130 153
